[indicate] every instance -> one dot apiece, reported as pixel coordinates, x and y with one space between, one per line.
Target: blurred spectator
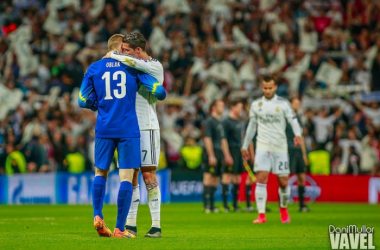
323 126
15 161
319 160
369 155
191 154
351 148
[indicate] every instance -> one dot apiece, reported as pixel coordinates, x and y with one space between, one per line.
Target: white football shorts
150 147
275 162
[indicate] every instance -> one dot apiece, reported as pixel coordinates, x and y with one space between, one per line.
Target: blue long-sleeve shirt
110 87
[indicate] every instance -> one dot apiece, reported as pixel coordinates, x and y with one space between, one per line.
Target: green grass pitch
185 226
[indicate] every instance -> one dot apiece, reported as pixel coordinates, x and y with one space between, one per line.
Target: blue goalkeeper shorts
128 151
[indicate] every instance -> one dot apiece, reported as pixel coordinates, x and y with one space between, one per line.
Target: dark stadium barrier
65 188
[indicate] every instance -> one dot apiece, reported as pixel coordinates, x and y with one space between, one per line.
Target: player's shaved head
268 79
115 41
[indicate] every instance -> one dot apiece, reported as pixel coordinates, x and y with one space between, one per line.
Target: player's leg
236 179
301 176
226 180
261 195
301 192
262 167
215 178
281 169
154 201
149 163
131 225
129 159
237 169
214 184
207 185
104 151
248 194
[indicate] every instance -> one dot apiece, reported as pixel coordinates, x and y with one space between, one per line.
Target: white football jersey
269 118
145 101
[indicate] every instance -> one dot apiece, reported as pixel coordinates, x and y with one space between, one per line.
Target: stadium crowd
325 52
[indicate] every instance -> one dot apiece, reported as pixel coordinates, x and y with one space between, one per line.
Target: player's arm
249 133
152 85
225 147
87 96
292 120
251 150
303 149
210 151
209 145
145 66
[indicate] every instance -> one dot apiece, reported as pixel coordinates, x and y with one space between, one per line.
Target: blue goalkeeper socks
124 199
98 191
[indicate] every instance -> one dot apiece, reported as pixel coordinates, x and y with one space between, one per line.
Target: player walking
114 86
268 115
298 158
135 56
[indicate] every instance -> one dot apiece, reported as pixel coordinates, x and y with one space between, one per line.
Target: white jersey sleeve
145 101
251 129
152 66
292 119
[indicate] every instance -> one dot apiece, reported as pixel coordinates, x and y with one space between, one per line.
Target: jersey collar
268 100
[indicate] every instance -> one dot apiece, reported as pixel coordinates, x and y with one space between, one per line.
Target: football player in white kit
135 56
268 116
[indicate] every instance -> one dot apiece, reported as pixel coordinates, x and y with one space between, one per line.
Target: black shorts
296 162
215 170
237 167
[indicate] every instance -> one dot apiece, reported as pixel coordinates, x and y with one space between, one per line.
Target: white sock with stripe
284 196
154 201
261 197
132 214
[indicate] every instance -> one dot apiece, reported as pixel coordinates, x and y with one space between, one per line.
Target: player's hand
108 55
212 161
245 154
229 161
306 160
297 140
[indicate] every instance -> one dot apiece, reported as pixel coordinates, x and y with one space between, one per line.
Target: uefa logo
312 191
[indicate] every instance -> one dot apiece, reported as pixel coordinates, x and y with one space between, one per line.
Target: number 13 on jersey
117 76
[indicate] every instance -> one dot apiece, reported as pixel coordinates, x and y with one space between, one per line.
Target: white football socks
284 196
154 201
132 215
261 197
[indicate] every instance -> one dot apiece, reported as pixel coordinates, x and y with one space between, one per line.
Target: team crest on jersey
260 104
277 109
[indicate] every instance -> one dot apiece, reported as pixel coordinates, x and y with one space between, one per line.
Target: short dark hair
135 39
213 104
268 78
233 103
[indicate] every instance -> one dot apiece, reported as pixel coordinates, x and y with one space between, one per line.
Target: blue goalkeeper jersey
110 87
